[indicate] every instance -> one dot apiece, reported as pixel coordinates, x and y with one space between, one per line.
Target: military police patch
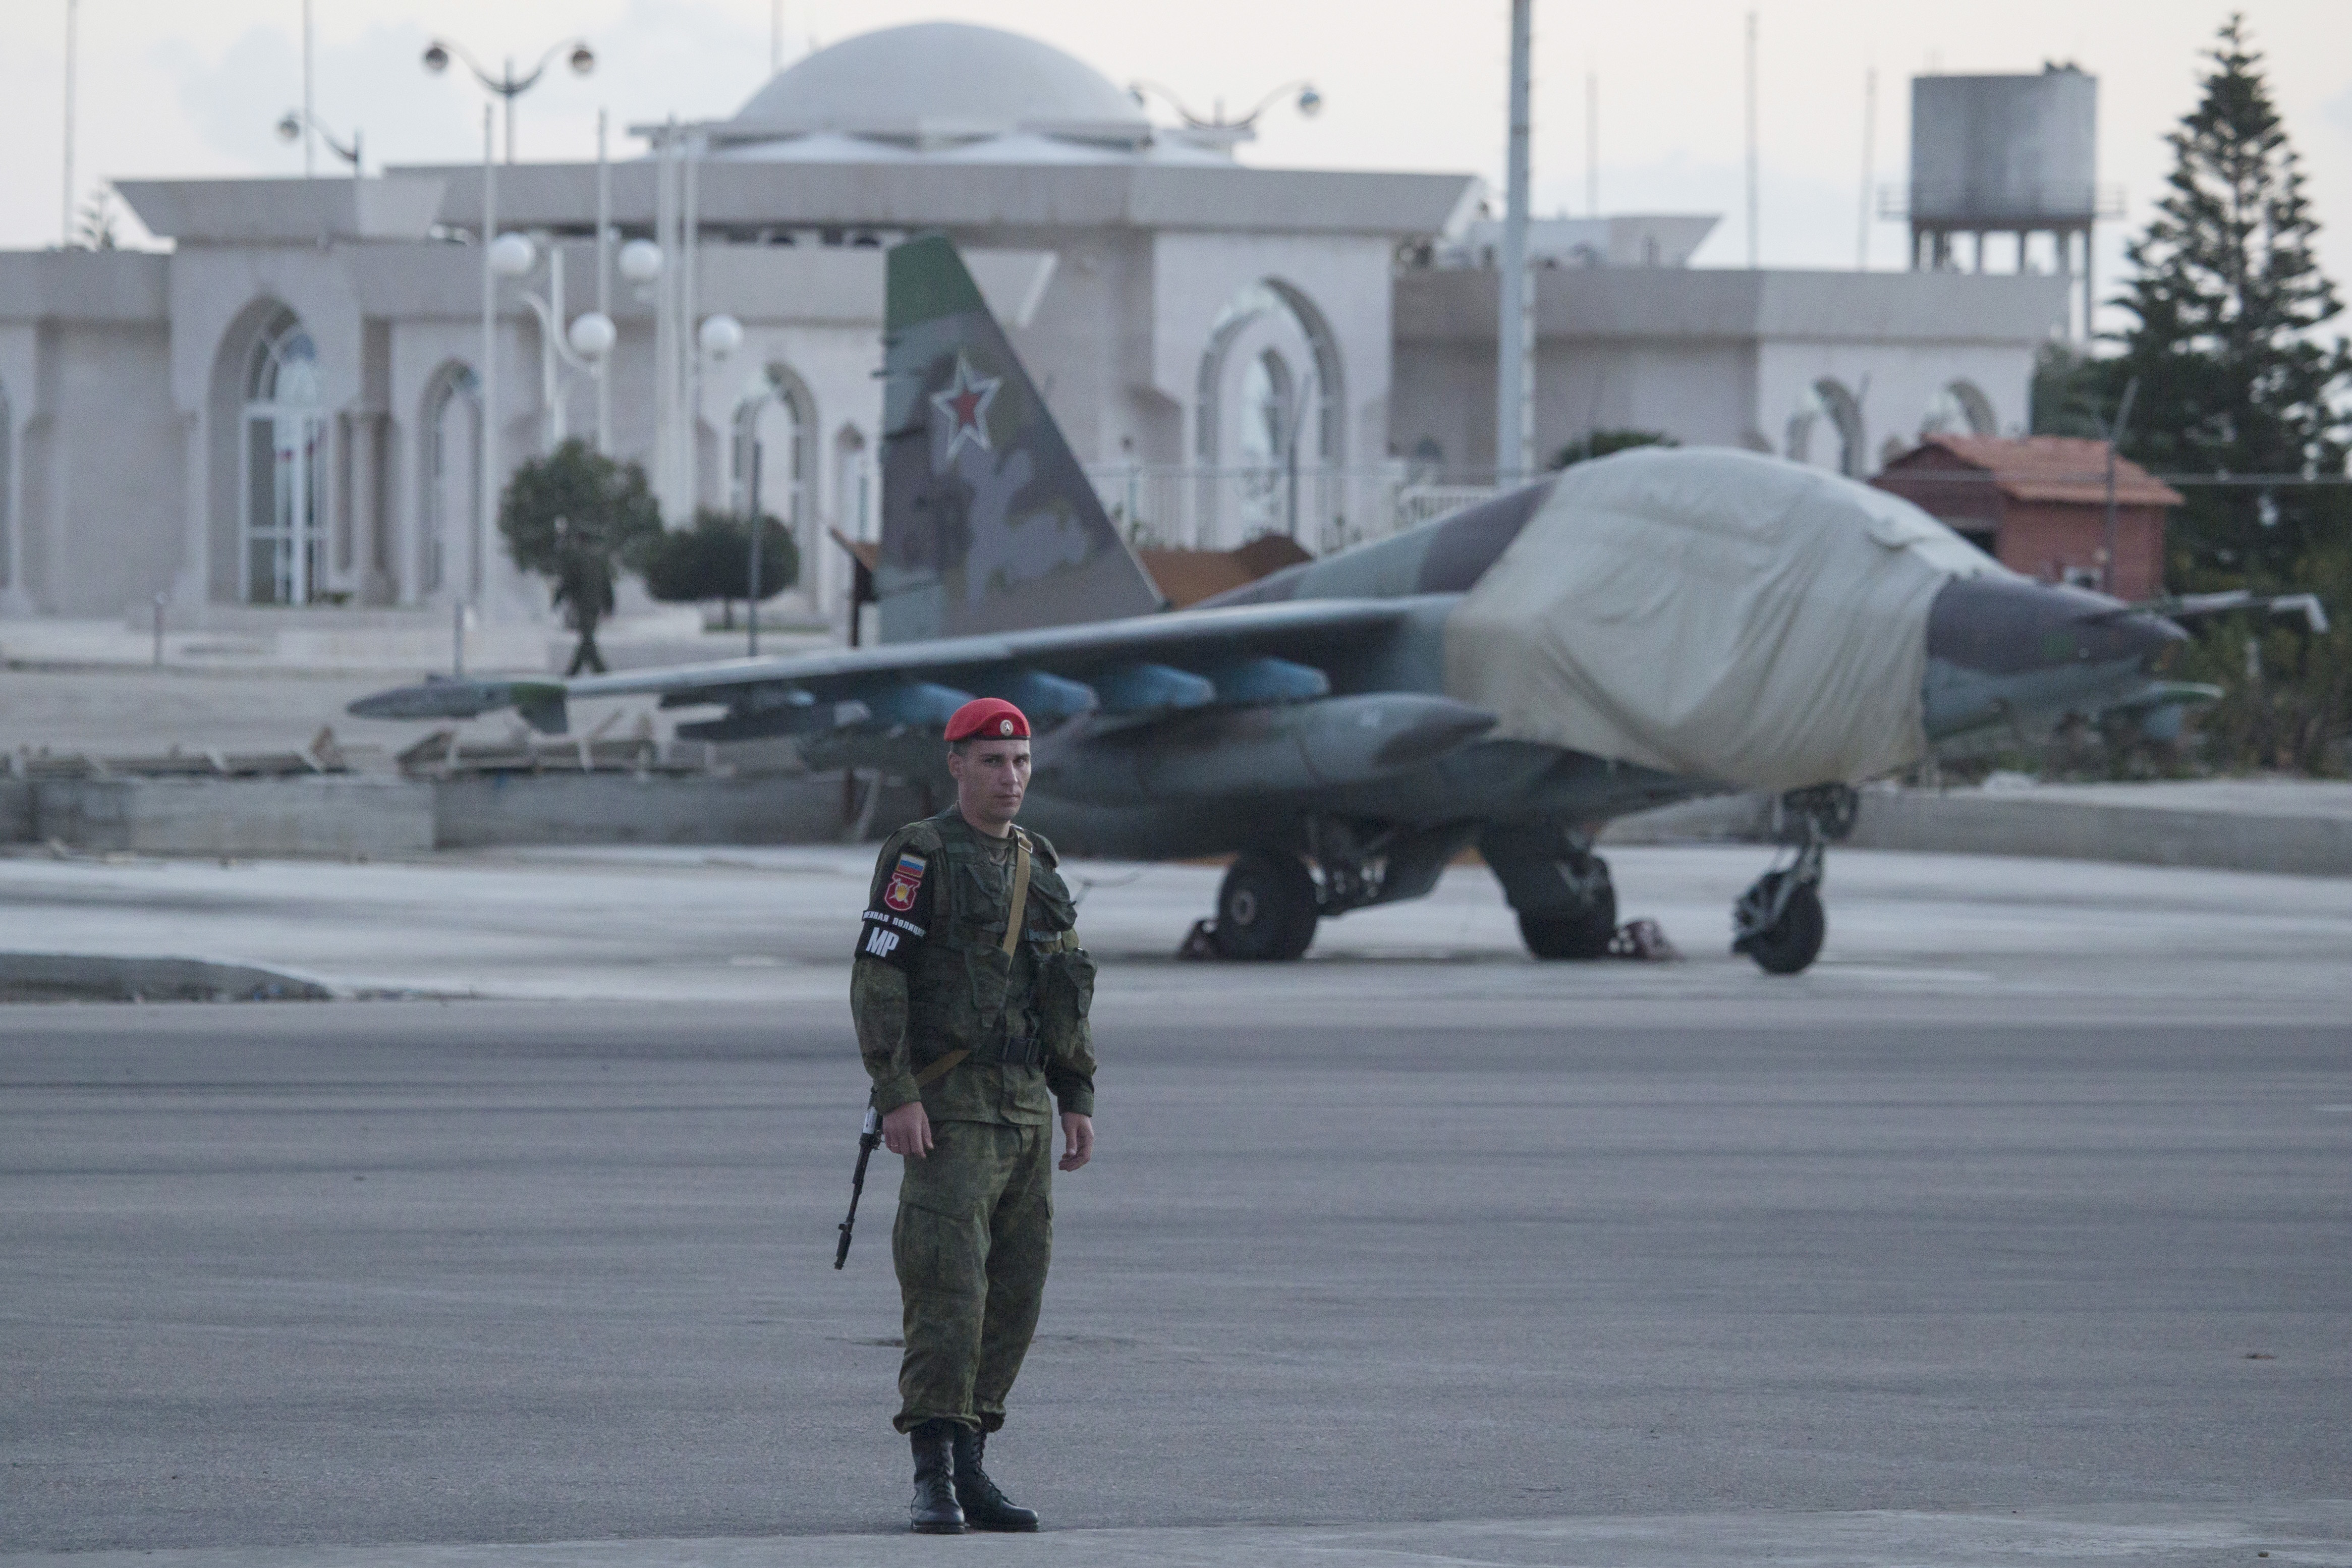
892 939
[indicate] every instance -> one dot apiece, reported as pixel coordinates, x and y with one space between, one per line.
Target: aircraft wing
1249 654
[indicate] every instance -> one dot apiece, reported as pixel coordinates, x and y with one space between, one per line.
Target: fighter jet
1636 631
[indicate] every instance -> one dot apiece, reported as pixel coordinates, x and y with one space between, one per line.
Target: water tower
2007 156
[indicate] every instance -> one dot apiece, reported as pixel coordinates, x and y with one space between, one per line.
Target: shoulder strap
940 1068
1020 892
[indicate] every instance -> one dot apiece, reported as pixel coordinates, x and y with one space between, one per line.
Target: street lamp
510 87
581 347
507 85
1309 103
290 128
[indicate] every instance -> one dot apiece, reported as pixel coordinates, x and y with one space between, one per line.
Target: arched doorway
282 469
449 524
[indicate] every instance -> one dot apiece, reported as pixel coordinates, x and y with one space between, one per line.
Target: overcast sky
194 87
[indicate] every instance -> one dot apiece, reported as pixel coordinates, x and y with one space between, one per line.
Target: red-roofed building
2038 503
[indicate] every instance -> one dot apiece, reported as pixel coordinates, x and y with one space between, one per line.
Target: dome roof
934 83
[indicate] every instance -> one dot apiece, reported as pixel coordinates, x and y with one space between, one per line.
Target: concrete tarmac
1927 934
1845 1276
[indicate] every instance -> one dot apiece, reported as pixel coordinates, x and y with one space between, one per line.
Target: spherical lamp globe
593 335
720 336
512 255
641 261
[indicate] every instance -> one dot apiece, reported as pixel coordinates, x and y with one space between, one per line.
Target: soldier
970 993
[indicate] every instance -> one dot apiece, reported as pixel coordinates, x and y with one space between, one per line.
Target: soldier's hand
906 1130
1078 1138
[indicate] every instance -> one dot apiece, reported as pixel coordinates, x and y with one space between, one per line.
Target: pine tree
2227 302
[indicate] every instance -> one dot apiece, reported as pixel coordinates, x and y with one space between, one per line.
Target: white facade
1837 370
286 410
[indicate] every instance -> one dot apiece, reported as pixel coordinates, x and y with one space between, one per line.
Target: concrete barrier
2293 827
336 815
2285 825
1713 819
479 810
345 815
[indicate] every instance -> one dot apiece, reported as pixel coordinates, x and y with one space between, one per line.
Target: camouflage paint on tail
988 524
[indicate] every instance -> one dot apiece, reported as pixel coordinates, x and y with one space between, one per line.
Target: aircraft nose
2006 626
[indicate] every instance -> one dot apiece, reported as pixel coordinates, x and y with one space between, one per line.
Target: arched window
1843 411
452 488
283 460
1961 408
1270 418
772 458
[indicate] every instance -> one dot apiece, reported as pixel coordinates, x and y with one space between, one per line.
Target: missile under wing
1637 630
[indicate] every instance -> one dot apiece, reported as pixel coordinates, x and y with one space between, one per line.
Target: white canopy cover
1715 614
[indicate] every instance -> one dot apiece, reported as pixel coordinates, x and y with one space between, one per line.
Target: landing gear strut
1560 889
1779 922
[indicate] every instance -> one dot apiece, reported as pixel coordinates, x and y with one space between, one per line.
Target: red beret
988 719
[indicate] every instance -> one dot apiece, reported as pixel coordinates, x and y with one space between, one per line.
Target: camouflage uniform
975 1225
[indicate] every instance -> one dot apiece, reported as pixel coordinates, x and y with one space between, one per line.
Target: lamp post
580 347
640 263
291 124
715 340
507 85
769 393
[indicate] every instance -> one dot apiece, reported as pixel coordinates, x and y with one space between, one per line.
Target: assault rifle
867 1142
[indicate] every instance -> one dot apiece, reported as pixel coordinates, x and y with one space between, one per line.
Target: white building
1839 370
286 408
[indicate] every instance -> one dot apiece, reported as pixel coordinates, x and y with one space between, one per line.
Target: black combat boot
983 1505
934 1510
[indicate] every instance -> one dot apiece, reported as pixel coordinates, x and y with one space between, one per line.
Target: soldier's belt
1028 1053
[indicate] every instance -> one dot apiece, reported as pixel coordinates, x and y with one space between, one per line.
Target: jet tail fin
988 523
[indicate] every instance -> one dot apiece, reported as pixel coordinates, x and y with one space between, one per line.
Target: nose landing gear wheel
1779 922
1790 943
1266 909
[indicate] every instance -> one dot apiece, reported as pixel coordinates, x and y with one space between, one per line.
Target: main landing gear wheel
1790 943
1266 909
1585 933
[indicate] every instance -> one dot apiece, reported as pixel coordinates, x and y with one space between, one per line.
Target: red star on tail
965 402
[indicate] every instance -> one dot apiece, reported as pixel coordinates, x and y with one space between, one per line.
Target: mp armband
893 939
